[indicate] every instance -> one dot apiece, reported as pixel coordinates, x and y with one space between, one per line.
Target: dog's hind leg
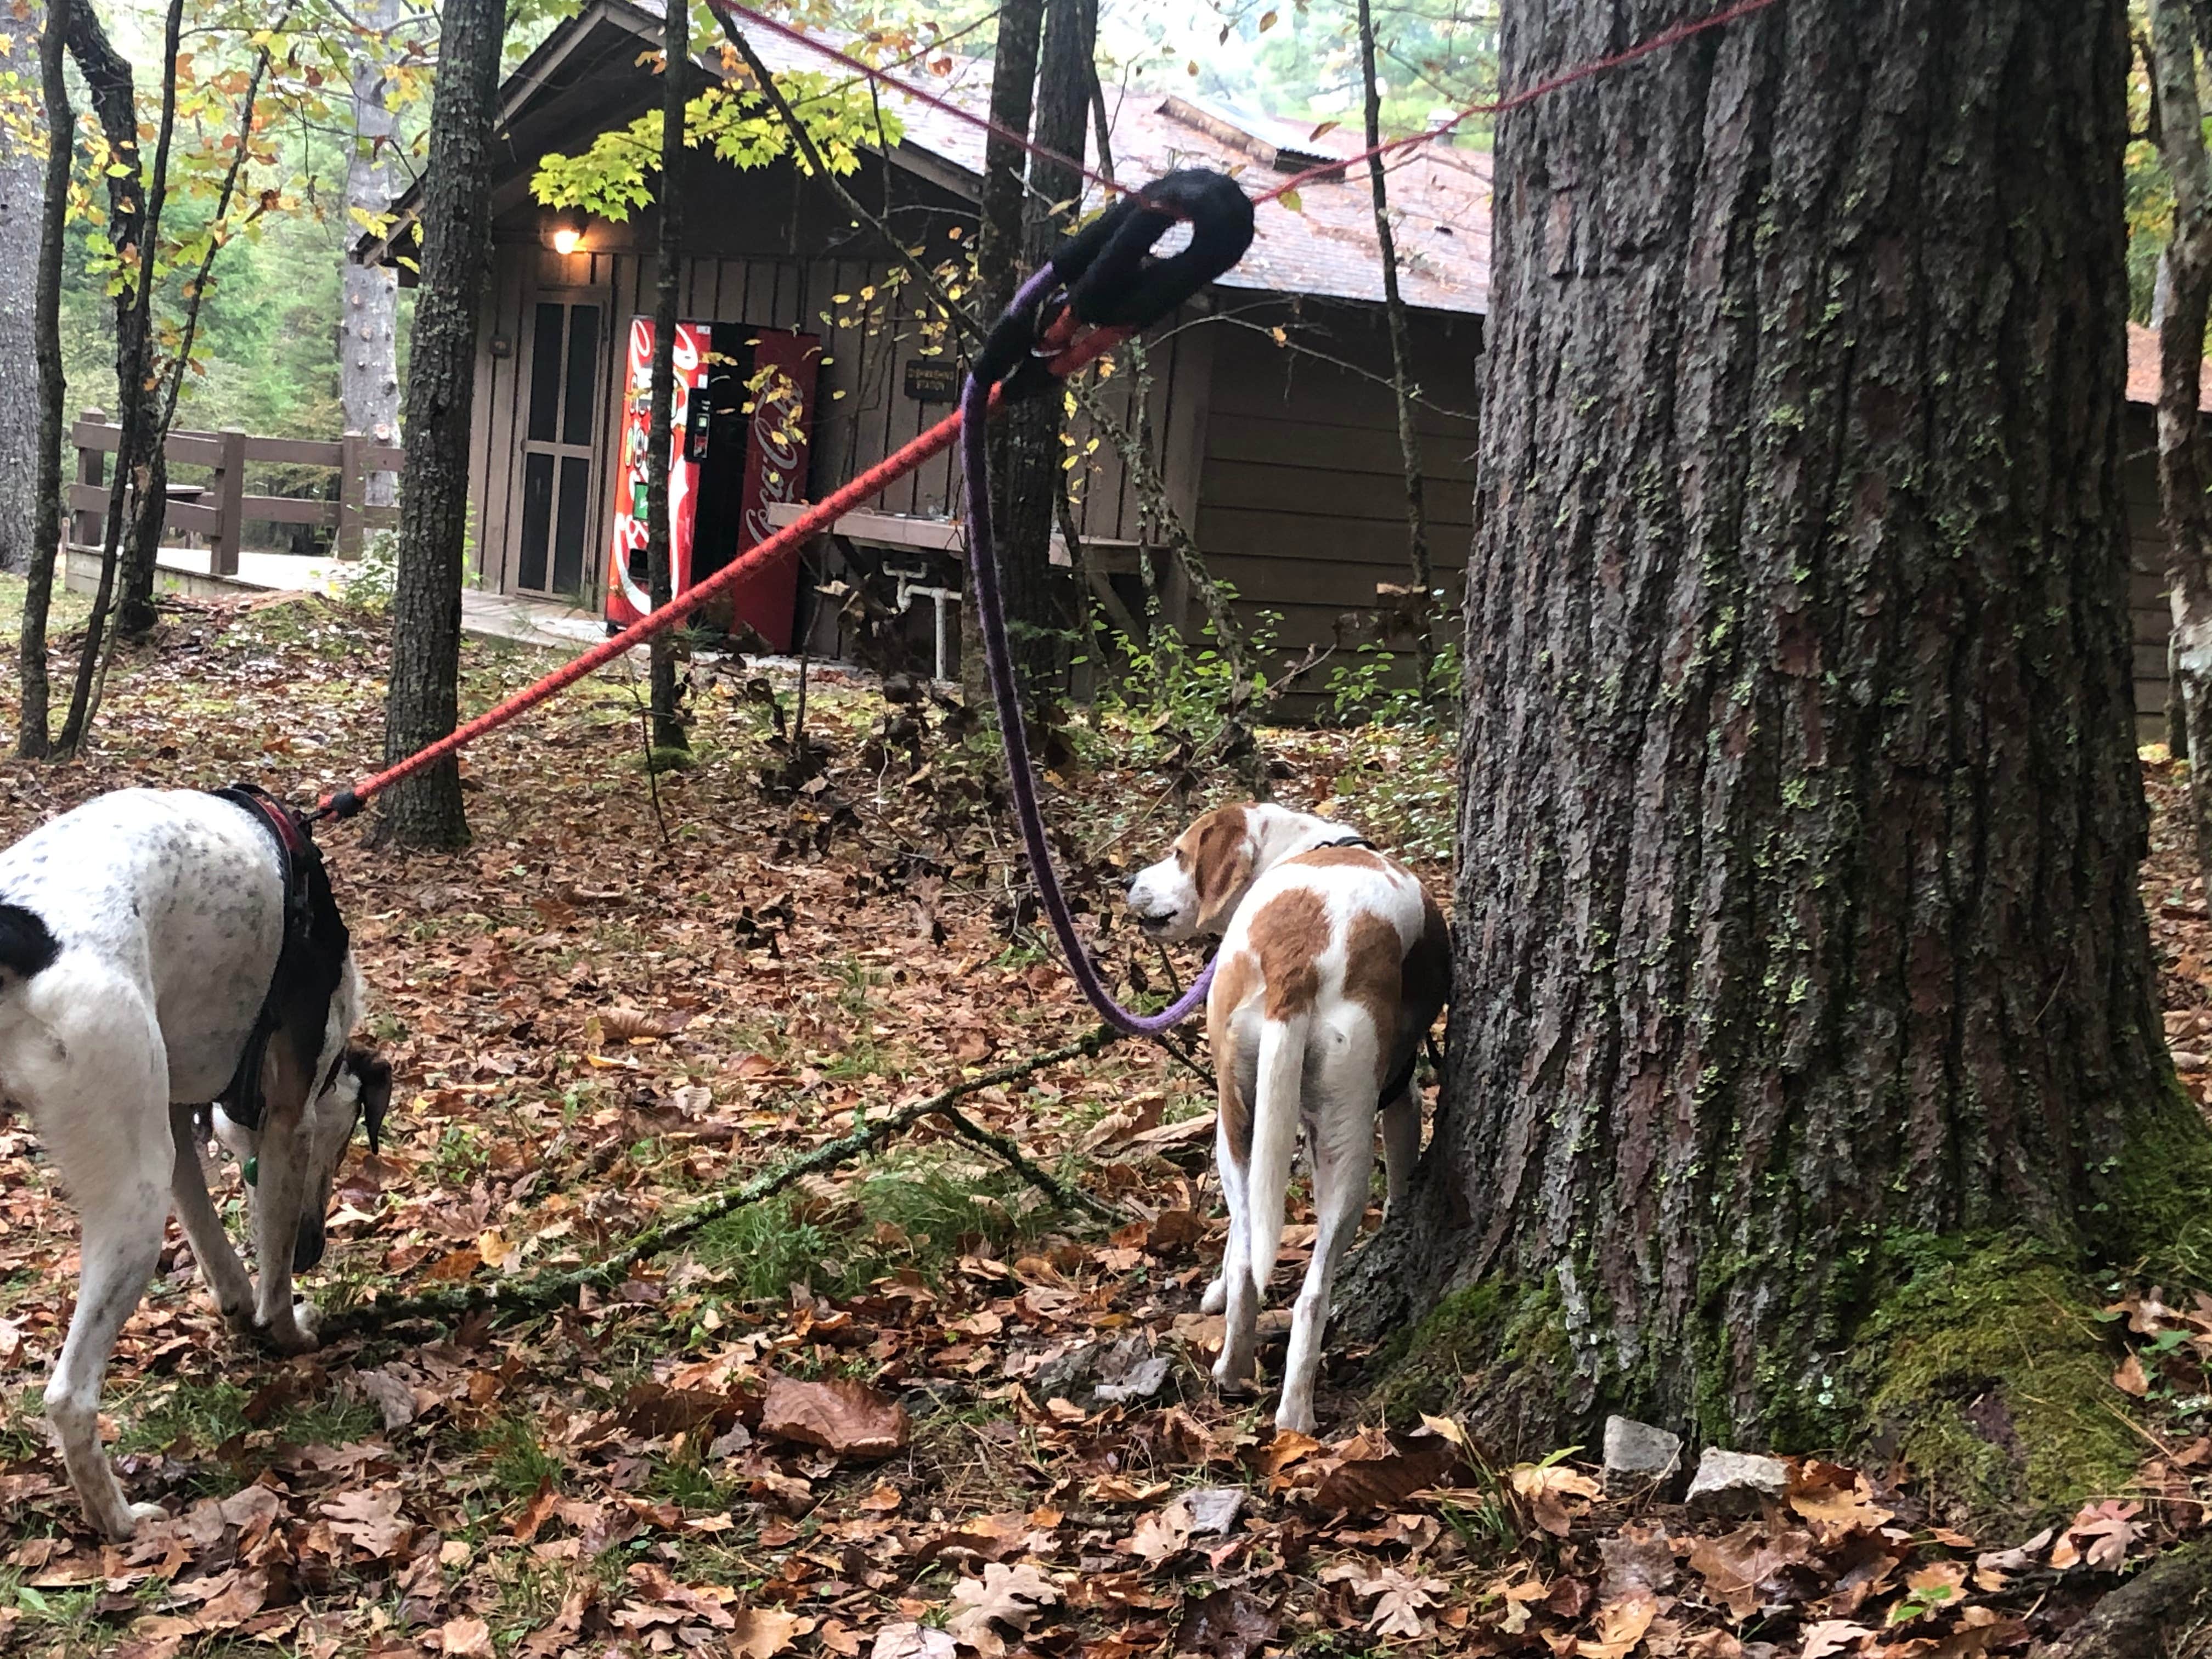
110 1140
1342 1127
226 1275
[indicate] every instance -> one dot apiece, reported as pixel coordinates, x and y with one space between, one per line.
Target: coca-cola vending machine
744 399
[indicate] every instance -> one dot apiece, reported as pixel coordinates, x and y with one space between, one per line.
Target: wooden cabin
1265 405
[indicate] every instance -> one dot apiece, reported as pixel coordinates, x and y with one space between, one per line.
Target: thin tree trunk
422 703
1393 311
999 250
23 176
1027 452
2184 297
114 103
369 318
660 552
34 737
1800 818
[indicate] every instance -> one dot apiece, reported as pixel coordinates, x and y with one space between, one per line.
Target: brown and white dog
1334 964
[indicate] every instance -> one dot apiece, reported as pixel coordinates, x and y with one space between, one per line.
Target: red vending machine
744 397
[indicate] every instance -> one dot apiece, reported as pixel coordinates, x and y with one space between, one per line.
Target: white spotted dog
160 951
1334 964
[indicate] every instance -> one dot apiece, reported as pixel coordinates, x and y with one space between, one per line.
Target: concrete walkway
486 616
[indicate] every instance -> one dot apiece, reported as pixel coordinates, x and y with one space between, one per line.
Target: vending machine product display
744 400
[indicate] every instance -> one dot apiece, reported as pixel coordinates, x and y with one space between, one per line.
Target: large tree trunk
999 249
1796 913
368 314
22 177
423 701
33 736
668 723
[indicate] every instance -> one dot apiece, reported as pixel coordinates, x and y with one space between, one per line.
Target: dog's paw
1216 1298
1232 1374
297 1334
137 1516
1296 1419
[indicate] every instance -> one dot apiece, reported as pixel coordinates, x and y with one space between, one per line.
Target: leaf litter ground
906 1407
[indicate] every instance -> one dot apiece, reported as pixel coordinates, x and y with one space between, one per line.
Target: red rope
1659 42
821 516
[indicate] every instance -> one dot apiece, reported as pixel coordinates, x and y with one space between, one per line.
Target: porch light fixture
567 238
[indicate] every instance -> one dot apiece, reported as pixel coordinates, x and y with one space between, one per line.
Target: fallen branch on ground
545 1291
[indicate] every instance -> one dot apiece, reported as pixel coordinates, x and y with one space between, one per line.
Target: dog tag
252 1170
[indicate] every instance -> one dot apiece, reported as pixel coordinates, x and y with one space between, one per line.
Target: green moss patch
1480 1353
1988 1377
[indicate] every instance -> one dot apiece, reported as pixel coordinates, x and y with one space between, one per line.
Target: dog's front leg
279 1196
226 1275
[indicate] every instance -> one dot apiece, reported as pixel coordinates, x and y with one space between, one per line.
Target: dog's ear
1220 858
374 1073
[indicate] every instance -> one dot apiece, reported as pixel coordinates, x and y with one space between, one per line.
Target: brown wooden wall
741 224
1301 493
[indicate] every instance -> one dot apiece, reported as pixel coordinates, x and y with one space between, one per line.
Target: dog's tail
1274 1138
28 947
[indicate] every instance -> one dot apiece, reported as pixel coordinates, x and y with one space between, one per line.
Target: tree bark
33 736
2184 298
22 177
1394 310
1800 818
1027 453
422 703
999 250
676 47
368 354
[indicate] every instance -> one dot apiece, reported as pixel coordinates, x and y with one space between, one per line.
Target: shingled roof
1326 246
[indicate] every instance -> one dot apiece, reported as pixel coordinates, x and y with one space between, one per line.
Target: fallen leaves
844 1416
1012 1597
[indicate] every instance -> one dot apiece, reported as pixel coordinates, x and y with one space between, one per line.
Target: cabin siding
1301 500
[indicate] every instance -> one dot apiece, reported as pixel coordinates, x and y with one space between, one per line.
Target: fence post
353 493
87 529
229 494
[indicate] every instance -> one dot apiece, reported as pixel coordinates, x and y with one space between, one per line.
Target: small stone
1638 1454
1735 1484
1212 1510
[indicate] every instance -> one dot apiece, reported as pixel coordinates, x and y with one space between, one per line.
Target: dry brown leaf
1621 1627
844 1415
1546 1490
464 1638
1388 1475
1400 1600
1013 1596
2130 1378
913 1641
1833 1636
1838 1499
369 1520
764 1633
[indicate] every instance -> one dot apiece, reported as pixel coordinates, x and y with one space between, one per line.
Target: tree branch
543 1292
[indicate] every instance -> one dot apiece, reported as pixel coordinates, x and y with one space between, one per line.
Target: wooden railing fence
215 514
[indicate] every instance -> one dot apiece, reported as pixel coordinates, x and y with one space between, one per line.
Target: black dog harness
308 963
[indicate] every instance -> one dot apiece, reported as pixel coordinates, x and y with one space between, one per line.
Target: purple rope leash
991 619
